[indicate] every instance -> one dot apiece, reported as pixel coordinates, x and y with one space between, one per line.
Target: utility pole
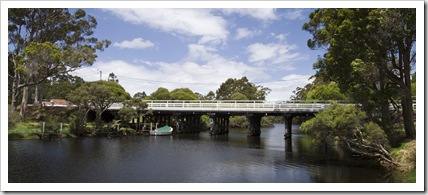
100 74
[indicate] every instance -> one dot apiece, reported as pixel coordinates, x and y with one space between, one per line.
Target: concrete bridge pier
254 124
219 124
288 125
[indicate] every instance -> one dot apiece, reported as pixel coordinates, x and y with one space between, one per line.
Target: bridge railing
240 105
237 105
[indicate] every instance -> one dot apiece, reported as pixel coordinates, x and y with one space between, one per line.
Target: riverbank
33 130
405 156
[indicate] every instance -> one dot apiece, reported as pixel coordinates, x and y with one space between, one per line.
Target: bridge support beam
254 124
188 123
163 120
288 125
219 124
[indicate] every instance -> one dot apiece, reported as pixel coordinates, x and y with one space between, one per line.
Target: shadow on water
254 142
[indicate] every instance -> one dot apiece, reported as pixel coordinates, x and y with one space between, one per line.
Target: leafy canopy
242 86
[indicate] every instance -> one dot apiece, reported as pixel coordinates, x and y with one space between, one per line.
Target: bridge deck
235 106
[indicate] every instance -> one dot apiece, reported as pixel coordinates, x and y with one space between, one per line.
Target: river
184 158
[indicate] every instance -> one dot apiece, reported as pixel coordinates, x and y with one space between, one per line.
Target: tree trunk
15 89
98 121
24 102
408 117
36 95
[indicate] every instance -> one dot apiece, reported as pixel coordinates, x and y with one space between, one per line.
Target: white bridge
258 106
187 113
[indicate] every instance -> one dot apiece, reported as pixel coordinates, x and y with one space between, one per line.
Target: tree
60 86
210 96
183 94
369 52
113 78
98 95
344 124
160 94
325 92
46 42
238 96
141 95
243 86
133 108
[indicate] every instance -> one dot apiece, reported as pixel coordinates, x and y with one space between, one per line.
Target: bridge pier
188 123
254 125
288 126
219 124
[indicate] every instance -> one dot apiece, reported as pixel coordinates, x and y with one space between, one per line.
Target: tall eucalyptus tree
370 53
64 39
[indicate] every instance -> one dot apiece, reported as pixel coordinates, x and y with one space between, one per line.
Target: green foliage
112 77
365 48
13 118
24 130
127 113
326 92
100 95
373 133
141 95
61 86
45 43
243 86
413 88
238 121
210 96
183 94
341 123
160 94
238 96
206 121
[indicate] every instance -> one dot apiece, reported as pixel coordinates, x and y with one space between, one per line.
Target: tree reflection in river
187 158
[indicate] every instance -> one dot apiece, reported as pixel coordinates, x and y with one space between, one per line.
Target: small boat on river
165 130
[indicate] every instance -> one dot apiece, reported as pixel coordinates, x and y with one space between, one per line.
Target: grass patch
30 129
24 130
405 156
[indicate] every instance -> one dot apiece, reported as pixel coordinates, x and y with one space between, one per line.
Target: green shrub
13 118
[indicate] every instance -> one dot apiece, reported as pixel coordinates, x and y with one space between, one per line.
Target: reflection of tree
254 142
331 172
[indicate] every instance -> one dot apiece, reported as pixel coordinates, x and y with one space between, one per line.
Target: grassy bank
31 130
405 155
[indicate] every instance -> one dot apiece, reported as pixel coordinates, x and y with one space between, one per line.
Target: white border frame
418 186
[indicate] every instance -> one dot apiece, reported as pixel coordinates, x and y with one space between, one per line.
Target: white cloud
274 54
137 43
281 37
264 14
294 14
242 33
190 22
203 70
283 89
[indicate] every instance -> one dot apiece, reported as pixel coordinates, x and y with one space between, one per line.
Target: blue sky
201 48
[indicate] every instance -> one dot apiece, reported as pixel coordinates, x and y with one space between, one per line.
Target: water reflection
288 148
194 158
254 142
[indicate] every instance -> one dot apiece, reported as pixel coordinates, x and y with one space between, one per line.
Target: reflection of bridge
185 115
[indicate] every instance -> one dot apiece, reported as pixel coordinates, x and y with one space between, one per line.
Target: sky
201 48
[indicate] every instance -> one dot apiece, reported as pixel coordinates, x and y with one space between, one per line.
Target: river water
187 158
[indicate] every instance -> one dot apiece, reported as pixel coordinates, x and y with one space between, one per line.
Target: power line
192 83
